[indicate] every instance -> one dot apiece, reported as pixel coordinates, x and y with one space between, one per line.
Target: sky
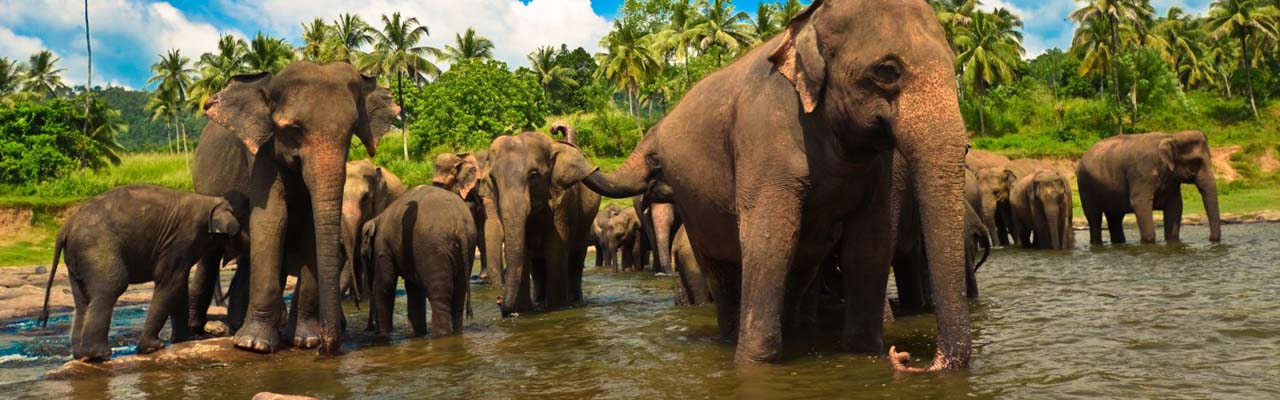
129 35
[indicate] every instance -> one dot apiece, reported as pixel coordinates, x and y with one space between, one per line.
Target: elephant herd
796 176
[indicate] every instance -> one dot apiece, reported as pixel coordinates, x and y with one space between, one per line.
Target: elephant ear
467 174
244 108
799 57
378 112
1010 177
446 164
1168 149
568 165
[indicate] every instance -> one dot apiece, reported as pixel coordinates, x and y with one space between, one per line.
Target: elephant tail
984 241
470 314
53 272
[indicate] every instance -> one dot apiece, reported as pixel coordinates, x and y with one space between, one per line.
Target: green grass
155 168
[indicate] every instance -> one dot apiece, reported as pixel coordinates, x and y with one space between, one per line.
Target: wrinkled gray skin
546 215
369 190
298 124
693 289
221 167
624 234
765 157
1042 203
597 237
1141 173
112 241
461 174
994 184
659 222
428 238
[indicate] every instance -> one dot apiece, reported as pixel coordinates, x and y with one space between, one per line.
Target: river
1190 320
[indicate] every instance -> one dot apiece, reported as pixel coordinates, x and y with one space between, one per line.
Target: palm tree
1178 44
628 60
1223 61
766 23
217 69
468 46
43 75
1244 20
723 27
544 64
173 76
675 41
267 54
1114 13
315 36
396 52
163 106
954 15
352 34
10 76
990 47
104 126
788 10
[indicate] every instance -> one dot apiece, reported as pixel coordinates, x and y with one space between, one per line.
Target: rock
193 354
41 270
277 396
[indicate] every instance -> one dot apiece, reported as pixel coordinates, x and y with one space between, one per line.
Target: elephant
298 126
1042 203
566 130
766 158
1023 167
428 238
369 189
460 173
129 235
624 234
660 224
221 166
693 289
546 215
994 184
1140 173
976 160
597 237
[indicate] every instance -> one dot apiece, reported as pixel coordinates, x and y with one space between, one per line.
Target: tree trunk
404 125
1248 70
168 135
1115 71
982 122
186 150
88 82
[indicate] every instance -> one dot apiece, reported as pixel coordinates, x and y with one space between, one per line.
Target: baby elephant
1042 204
136 234
427 237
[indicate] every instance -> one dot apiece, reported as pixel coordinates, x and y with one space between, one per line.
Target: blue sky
129 34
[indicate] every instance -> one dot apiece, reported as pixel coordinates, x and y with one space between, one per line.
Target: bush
41 142
471 104
607 133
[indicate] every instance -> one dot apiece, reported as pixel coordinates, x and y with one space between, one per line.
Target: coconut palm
267 54
788 10
765 24
954 15
43 76
173 77
216 69
396 51
1115 15
675 41
545 66
468 46
10 76
104 126
628 60
163 106
720 26
1244 20
352 35
1178 43
990 46
315 36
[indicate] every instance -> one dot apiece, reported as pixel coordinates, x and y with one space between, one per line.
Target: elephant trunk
1053 218
324 173
931 136
565 129
989 208
493 235
513 209
632 178
1208 186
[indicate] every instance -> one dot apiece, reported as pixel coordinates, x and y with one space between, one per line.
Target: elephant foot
148 346
307 334
216 329
93 353
257 336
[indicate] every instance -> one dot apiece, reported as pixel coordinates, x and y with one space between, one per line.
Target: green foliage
41 142
472 103
1144 73
608 132
564 98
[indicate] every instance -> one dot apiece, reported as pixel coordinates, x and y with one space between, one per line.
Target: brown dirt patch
14 220
1267 162
1222 163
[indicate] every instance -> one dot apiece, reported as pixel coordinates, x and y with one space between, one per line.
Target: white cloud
16 46
515 28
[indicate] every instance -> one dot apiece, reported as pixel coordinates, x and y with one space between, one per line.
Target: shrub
472 103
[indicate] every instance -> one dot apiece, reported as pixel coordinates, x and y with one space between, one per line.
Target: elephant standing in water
624 234
1042 204
692 289
462 174
221 167
297 125
598 237
130 235
994 181
369 190
1140 173
768 157
660 222
546 215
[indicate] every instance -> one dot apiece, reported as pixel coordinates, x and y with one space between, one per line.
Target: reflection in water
1189 319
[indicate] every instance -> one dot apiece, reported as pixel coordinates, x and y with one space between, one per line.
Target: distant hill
144 134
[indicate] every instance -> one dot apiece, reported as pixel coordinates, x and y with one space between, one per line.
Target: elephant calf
623 234
1042 204
426 237
129 235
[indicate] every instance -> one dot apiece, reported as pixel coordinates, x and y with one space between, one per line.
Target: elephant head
621 230
1050 200
305 116
458 173
223 221
526 172
1186 157
368 190
994 184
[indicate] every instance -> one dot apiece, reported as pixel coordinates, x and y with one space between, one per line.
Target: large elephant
1140 173
428 238
692 287
1042 203
298 126
546 215
765 158
130 235
221 167
462 174
369 189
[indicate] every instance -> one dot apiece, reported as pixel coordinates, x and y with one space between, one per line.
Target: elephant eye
887 72
534 175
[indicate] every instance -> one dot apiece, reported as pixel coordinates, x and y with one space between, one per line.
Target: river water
1190 320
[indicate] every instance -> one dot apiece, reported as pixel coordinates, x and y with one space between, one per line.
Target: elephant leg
416 302
442 312
77 319
238 293
804 291
1093 214
268 225
908 274
577 261
724 281
538 275
629 251
100 302
306 332
1173 218
383 295
866 252
164 299
203 290
1115 227
1142 209
557 269
769 232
